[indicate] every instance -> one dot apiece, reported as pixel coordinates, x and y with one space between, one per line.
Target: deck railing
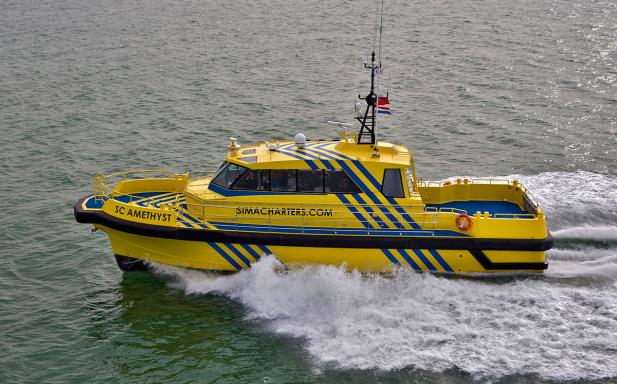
384 218
104 186
529 202
393 222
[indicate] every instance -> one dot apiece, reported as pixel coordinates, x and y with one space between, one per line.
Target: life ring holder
464 222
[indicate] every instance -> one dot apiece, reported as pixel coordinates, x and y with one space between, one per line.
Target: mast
368 122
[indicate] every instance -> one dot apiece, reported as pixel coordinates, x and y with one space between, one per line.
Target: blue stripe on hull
238 254
425 260
354 210
409 260
390 256
440 260
229 259
250 250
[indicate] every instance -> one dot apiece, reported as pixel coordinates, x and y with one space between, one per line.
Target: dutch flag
383 105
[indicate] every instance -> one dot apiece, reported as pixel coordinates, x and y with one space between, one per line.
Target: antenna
340 125
368 122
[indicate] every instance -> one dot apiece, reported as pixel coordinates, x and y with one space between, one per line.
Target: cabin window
392 184
337 181
310 181
250 159
226 176
253 180
283 180
234 176
220 169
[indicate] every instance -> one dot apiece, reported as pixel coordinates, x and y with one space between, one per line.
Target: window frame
237 180
323 191
400 177
286 170
224 168
323 182
357 189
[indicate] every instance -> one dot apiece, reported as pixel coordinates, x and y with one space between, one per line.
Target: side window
228 175
283 180
310 181
253 180
392 184
337 181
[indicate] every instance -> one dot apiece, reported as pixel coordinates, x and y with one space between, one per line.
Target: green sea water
524 90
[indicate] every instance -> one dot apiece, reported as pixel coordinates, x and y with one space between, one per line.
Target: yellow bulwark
319 202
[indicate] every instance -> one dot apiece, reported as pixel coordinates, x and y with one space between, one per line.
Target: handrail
103 189
380 209
282 223
465 181
372 214
514 215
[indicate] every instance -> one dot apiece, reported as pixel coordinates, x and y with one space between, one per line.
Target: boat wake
560 326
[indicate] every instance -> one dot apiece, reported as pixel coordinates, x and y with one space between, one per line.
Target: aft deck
494 208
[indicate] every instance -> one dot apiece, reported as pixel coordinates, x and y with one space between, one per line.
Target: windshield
227 175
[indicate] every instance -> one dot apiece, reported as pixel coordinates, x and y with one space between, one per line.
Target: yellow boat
331 202
353 202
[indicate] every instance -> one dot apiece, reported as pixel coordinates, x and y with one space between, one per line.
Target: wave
587 232
427 322
559 327
574 199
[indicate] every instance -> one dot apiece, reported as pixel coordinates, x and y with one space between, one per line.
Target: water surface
523 90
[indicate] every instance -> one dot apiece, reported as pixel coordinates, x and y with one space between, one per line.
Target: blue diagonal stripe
390 256
424 259
409 260
194 220
440 260
225 256
368 209
310 163
239 254
327 164
369 176
354 210
165 200
404 215
309 155
370 193
251 251
264 249
286 146
184 222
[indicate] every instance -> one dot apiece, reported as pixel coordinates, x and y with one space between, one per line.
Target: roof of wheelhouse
317 154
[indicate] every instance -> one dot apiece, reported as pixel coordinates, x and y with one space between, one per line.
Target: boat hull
235 256
223 250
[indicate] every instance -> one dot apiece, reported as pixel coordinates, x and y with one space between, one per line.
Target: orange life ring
464 222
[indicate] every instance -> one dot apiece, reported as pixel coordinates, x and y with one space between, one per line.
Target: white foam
585 261
580 254
604 267
574 199
587 232
556 327
488 329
